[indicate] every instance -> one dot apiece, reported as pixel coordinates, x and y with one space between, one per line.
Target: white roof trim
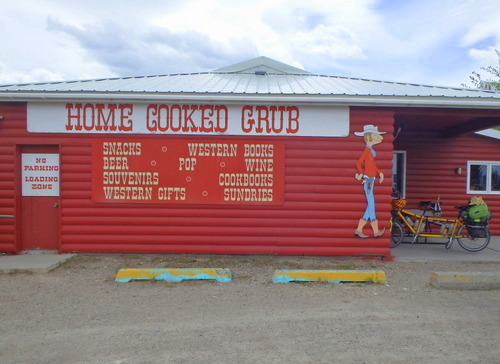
492 133
352 100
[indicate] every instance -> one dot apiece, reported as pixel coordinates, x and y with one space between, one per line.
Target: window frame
401 153
489 165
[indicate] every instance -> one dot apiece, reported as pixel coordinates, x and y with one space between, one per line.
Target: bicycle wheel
473 244
397 234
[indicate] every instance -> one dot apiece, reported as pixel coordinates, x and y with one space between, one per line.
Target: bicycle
472 236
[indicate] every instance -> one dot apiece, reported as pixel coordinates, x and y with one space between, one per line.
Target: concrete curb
32 263
173 274
330 276
466 281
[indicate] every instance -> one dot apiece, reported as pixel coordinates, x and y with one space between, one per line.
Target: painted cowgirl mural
367 172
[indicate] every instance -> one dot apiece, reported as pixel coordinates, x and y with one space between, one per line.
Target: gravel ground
78 314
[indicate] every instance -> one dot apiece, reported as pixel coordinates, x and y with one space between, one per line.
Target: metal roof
256 79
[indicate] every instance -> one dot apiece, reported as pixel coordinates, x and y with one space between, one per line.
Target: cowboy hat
369 129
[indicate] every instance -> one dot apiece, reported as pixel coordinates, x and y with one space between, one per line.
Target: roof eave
351 100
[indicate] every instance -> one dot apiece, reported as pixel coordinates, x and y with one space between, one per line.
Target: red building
255 158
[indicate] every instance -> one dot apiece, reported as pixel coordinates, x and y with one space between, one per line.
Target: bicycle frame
417 227
472 235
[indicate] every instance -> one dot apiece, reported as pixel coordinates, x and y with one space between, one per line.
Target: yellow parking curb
173 274
330 276
466 280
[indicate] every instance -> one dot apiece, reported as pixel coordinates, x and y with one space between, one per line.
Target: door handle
56 204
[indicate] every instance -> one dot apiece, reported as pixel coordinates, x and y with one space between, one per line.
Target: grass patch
347 266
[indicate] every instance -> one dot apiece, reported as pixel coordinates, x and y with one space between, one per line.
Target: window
484 177
399 174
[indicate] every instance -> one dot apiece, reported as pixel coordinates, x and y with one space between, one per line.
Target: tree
488 84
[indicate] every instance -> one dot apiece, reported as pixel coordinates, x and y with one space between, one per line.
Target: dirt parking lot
77 313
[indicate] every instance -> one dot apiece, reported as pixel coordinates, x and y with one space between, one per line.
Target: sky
430 42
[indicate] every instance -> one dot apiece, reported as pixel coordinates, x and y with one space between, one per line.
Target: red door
39 197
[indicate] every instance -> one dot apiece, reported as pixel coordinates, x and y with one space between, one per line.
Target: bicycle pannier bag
478 230
479 212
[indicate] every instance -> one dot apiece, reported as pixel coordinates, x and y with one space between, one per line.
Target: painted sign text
188 171
40 174
190 119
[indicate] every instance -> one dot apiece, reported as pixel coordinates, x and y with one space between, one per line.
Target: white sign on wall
189 119
40 174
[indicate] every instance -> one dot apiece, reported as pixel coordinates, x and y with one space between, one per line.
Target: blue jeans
368 186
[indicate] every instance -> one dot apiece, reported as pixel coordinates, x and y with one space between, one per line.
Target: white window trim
489 164
403 153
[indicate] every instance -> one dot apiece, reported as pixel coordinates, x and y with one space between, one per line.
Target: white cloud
484 56
7 76
415 41
482 21
335 42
